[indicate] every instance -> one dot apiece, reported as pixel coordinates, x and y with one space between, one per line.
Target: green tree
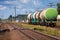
58 8
0 19
10 18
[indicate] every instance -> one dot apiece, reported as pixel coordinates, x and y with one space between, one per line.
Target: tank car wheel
40 24
52 24
47 24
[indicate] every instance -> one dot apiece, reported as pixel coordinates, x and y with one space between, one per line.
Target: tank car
29 18
48 16
58 18
33 19
45 17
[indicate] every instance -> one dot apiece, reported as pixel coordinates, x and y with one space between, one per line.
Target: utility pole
51 4
15 12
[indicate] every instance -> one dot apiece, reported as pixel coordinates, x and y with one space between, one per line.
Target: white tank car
58 18
29 16
42 15
37 15
34 15
27 21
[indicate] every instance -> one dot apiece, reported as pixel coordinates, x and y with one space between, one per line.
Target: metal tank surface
37 15
29 18
58 18
33 18
49 14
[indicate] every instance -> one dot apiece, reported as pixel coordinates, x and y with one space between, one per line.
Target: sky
7 7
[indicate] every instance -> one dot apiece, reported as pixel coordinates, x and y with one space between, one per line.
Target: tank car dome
58 17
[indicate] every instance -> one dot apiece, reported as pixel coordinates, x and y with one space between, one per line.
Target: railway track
14 34
33 35
25 36
4 32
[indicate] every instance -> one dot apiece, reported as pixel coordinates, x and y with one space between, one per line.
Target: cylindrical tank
29 16
58 18
48 14
34 15
37 15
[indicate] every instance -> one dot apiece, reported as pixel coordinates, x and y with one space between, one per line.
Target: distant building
21 18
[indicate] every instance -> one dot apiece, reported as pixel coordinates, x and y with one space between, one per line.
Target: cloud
36 2
31 9
58 1
2 7
24 9
24 1
19 6
7 0
10 2
28 10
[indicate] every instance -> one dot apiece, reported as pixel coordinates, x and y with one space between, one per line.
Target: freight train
45 17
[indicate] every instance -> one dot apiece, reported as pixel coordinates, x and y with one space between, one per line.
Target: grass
44 29
58 23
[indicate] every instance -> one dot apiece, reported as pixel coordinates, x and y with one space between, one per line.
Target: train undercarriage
51 24
48 23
